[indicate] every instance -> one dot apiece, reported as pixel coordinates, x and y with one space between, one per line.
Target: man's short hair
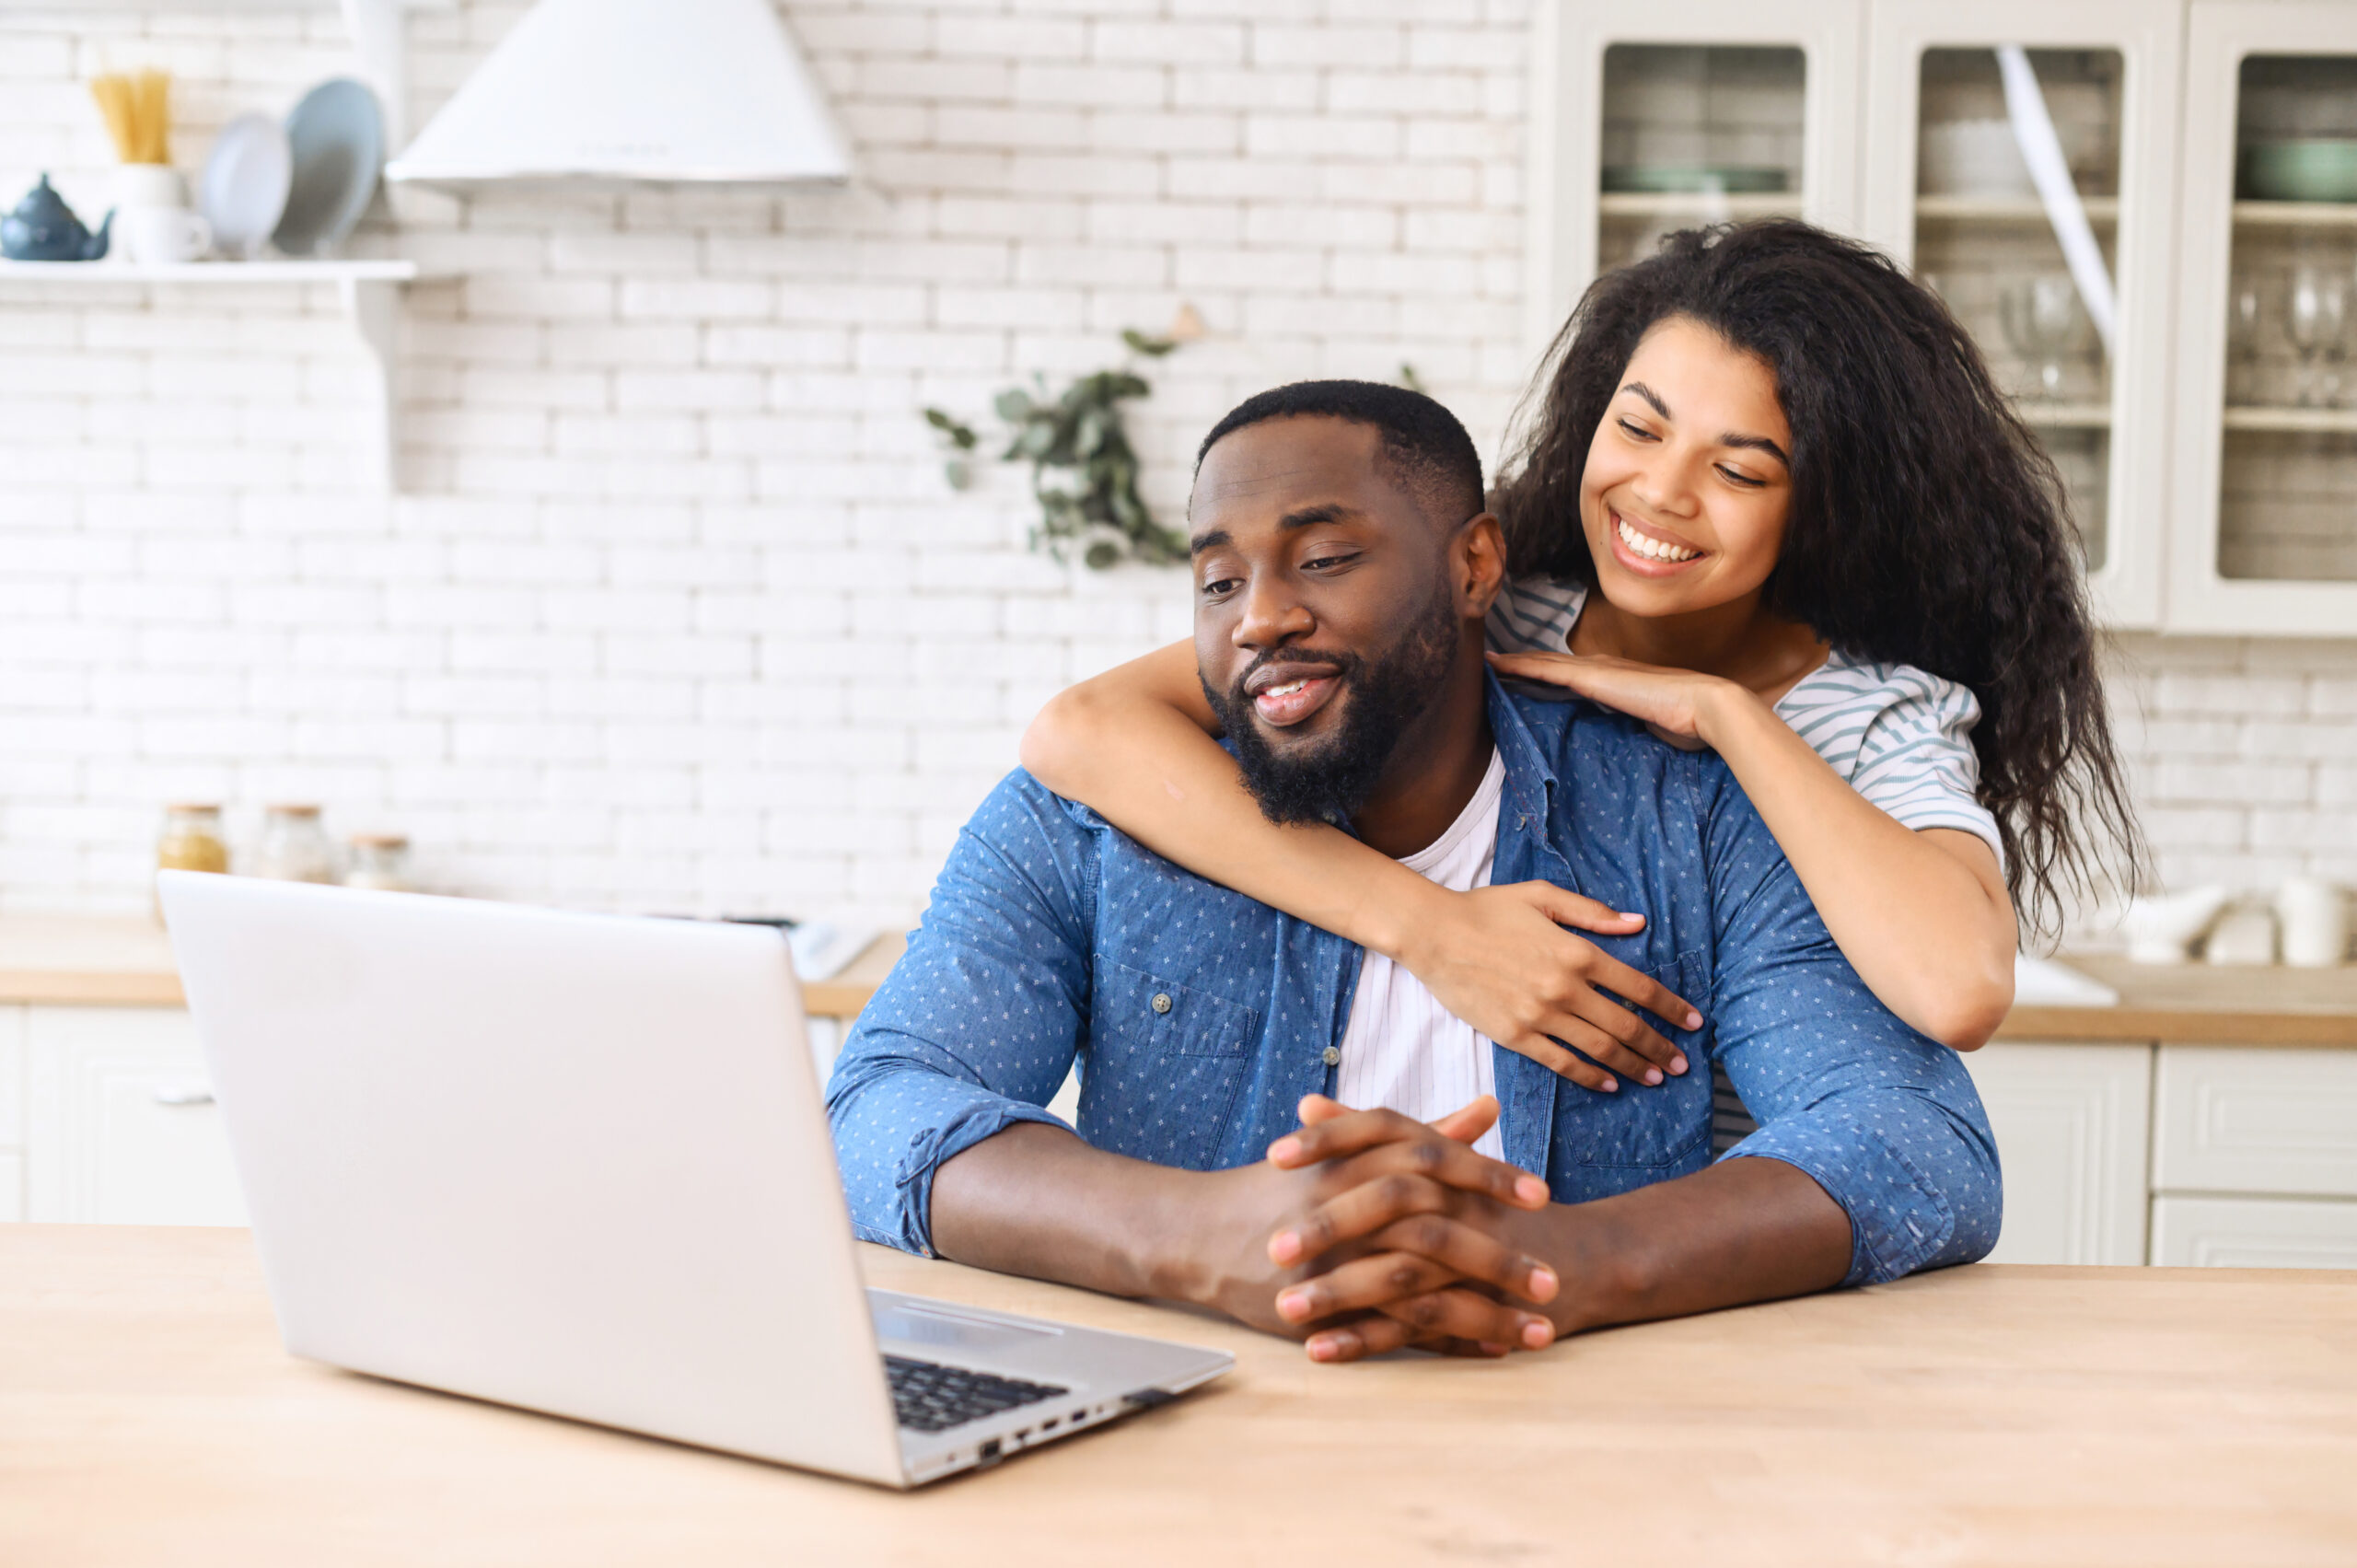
1423 445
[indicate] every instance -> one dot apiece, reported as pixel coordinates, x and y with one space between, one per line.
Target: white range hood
628 91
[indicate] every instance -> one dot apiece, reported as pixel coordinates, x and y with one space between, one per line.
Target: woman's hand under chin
1675 705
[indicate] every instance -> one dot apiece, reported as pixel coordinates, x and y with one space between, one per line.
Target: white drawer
2071 1122
2241 1121
12 1080
2255 1233
122 1127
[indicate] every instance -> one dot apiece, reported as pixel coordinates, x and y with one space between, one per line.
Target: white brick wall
673 610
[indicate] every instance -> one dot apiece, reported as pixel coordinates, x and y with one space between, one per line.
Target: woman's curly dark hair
1927 525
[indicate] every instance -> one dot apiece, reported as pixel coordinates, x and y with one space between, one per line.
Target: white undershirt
1401 1050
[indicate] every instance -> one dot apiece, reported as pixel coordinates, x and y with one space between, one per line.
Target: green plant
1083 472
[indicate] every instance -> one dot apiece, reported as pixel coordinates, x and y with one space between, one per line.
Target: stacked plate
302 185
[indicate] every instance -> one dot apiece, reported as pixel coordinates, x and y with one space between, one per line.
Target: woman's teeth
1651 549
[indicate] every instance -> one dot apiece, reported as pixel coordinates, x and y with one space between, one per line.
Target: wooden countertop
128 962
121 961
1980 1415
2202 1005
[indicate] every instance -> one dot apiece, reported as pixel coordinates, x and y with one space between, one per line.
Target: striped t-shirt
1901 737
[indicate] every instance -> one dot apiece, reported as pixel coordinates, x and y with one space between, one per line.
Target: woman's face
1688 480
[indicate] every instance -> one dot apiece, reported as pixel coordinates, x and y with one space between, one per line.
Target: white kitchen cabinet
1765 89
2210 454
2108 72
12 1113
2070 1123
2255 1233
120 1124
2283 1122
2266 464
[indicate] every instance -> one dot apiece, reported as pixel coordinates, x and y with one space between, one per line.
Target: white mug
2315 923
161 234
149 185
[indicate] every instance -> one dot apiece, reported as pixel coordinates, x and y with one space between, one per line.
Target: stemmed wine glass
2040 316
2316 317
2243 317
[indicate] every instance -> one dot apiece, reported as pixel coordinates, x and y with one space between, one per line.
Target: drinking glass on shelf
2039 316
2316 317
2243 313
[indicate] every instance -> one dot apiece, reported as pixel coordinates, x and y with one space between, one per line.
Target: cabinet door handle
183 1094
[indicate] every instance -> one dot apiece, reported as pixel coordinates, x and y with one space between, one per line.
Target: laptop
580 1164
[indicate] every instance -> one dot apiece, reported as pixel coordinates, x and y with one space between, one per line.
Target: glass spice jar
191 840
293 846
379 861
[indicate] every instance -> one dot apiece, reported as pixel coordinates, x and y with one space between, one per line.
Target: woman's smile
1648 549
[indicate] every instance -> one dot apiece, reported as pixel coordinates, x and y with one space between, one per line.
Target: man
1343 566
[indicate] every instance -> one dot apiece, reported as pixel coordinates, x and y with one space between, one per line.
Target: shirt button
1332 1056
1161 1002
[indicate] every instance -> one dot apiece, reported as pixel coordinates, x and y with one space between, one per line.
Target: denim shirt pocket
1651 1129
1172 1056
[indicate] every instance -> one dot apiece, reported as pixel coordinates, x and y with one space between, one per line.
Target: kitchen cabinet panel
2255 1233
121 1127
2107 72
2265 443
2245 1120
12 1185
12 1078
2071 1122
1688 105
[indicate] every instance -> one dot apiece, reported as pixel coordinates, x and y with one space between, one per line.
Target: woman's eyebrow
1756 444
1650 396
1749 443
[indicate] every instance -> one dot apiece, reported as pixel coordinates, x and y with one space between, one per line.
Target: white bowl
1971 158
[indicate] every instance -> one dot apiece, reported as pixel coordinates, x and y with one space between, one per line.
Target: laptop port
1052 1423
989 1452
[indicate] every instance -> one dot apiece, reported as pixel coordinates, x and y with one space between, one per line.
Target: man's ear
1477 564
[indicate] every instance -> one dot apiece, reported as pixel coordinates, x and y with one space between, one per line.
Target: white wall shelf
208 271
369 288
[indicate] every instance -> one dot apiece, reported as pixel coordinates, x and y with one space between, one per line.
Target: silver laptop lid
576 1163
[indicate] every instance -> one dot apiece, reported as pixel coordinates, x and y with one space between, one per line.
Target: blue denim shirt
1053 936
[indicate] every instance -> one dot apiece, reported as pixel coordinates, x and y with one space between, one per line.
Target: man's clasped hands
1366 1231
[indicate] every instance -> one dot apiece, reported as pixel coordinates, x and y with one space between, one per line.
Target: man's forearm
1037 1201
1741 1231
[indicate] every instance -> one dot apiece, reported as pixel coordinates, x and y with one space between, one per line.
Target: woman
1770 501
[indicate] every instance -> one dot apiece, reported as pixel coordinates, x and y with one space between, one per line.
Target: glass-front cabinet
2267 460
1652 119
2020 161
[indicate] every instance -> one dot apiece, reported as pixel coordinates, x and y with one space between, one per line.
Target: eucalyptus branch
1084 470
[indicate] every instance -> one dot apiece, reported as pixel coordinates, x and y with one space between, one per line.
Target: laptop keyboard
929 1397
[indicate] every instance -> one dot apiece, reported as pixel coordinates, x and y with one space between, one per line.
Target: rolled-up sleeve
976 1027
1883 1119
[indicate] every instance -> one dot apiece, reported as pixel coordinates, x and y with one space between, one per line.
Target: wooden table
1983 1415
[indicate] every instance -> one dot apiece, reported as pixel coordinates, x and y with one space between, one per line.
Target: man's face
1326 613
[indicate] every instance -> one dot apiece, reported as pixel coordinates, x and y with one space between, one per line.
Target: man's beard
1328 781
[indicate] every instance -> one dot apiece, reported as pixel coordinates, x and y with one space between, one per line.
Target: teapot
43 228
